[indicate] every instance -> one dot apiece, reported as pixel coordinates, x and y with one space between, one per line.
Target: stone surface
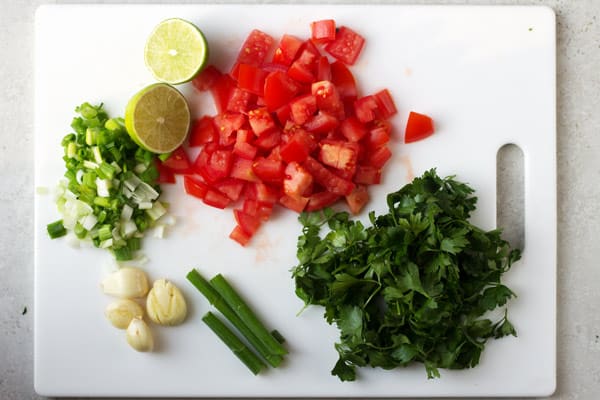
578 62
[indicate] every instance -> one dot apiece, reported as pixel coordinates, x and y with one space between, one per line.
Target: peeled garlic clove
121 312
127 282
165 304
139 336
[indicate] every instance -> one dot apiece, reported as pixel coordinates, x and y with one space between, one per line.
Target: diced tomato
357 199
294 203
338 154
230 187
247 222
353 129
385 104
240 236
239 100
178 162
328 98
330 181
270 171
206 78
283 114
297 180
221 91
194 187
279 89
165 175
320 200
377 137
304 68
254 50
242 169
266 194
379 157
321 123
269 140
287 50
298 147
216 199
367 175
323 69
365 108
244 150
252 79
219 165
261 210
343 80
261 121
323 30
302 108
418 126
346 46
203 132
226 124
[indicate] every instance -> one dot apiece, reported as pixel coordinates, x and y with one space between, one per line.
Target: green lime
176 51
158 118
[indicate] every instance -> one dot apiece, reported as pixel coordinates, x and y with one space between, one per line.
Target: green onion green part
56 229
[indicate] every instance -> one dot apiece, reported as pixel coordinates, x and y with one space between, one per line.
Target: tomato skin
165 175
206 78
386 107
297 180
279 89
298 147
346 46
240 236
221 91
247 222
216 199
287 50
330 181
194 187
323 69
302 108
357 199
418 126
304 68
178 162
203 132
261 121
379 157
353 129
252 79
343 79
254 51
320 200
322 31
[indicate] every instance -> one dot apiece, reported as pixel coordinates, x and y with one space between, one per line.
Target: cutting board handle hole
510 194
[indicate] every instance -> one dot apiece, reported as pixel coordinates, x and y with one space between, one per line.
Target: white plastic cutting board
485 74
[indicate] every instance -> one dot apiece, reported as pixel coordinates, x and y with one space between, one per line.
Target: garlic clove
139 336
127 282
121 312
165 305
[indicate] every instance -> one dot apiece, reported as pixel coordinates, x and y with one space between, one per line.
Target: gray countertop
578 142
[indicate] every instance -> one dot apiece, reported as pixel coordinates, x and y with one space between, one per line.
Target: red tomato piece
247 222
269 140
357 199
203 131
206 78
379 157
287 50
283 114
216 199
302 108
239 100
239 235
321 123
254 51
346 46
385 104
320 200
323 69
230 187
297 180
338 154
304 68
221 91
261 121
279 89
270 171
242 169
367 175
266 194
343 79
377 137
294 203
353 129
226 124
330 181
165 175
322 31
298 147
328 98
219 164
194 187
365 108
418 126
178 162
252 79
244 150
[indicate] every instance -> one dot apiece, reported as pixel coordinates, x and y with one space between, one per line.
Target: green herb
412 287
110 192
253 363
272 354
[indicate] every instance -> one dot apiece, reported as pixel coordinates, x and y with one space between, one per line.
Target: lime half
158 118
176 51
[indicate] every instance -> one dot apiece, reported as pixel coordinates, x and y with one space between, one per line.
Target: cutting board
485 74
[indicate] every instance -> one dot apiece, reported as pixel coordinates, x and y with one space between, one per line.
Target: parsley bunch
413 287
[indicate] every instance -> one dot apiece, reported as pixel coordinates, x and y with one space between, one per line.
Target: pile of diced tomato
291 129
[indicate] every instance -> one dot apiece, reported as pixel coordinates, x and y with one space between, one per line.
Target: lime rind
176 51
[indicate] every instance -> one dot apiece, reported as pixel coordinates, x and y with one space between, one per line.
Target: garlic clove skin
139 336
165 305
126 283
121 312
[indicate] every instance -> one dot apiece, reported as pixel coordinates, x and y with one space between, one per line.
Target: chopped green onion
104 233
56 229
